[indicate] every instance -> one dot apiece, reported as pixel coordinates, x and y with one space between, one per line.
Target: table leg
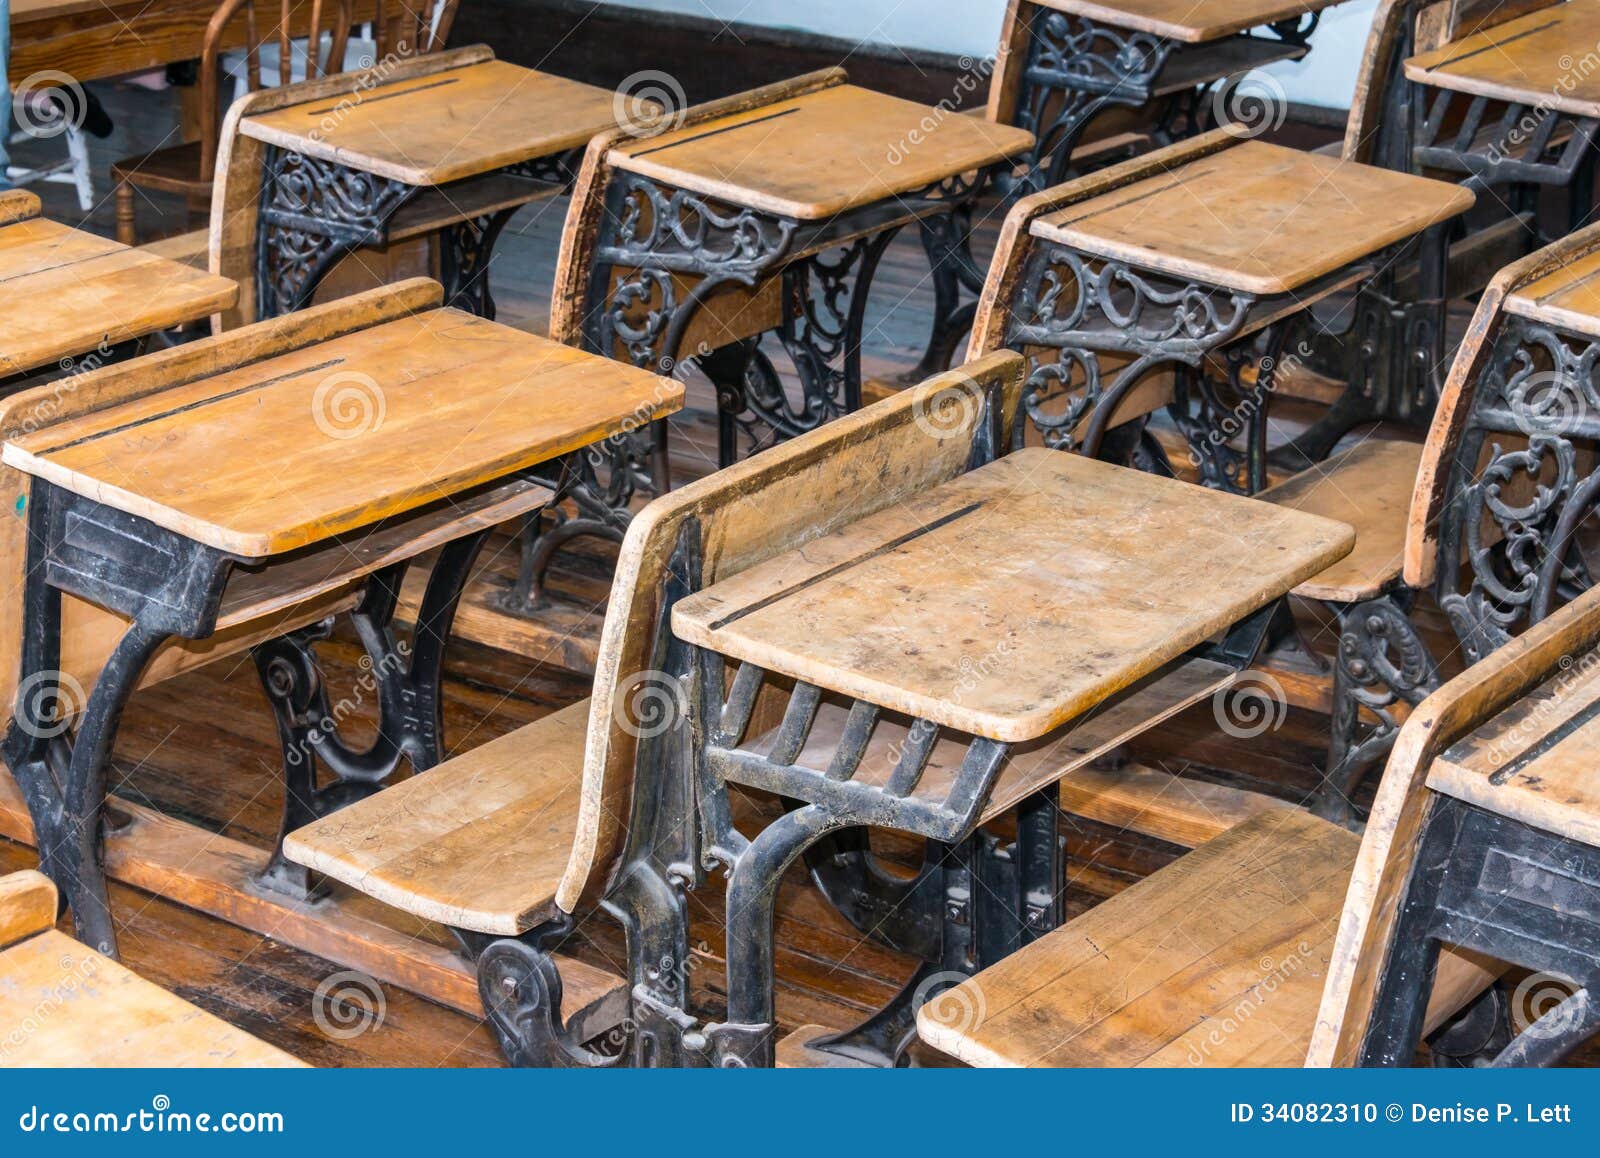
165 585
464 255
404 677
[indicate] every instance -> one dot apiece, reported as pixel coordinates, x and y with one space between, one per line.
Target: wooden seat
479 843
1369 487
1191 23
80 1008
820 154
1527 61
1259 218
1082 575
1218 959
66 293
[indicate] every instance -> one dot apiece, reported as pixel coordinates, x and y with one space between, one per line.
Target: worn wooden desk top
1535 59
817 155
1191 21
1015 597
1569 297
1255 217
430 130
338 435
63 292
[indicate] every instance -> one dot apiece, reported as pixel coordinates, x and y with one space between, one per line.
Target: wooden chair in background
311 37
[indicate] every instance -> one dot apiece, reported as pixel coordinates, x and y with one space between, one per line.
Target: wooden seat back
1458 447
265 24
88 633
734 312
772 502
1400 810
1401 29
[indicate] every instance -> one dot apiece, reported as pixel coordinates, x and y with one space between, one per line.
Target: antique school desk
943 660
66 294
230 481
1063 63
451 143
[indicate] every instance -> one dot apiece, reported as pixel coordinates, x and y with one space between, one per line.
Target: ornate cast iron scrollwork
521 991
1078 308
1507 541
1076 69
1381 661
313 212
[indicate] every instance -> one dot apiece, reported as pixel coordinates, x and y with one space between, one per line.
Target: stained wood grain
1568 297
1535 59
1535 761
1054 599
444 126
66 293
1257 217
27 905
322 440
814 156
101 1014
1368 487
479 843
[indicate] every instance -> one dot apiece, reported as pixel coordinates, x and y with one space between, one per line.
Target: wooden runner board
813 156
65 293
1190 21
1568 297
1014 597
217 875
1255 217
431 130
335 436
1535 59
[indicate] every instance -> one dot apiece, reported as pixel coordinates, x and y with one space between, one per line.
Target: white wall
972 27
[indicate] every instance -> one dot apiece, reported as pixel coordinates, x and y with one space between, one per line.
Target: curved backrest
405 28
283 23
236 195
576 262
1499 489
89 633
1389 845
772 502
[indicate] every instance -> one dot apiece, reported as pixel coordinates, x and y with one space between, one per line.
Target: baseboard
606 44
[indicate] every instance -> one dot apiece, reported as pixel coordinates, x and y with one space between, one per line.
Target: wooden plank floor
203 747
